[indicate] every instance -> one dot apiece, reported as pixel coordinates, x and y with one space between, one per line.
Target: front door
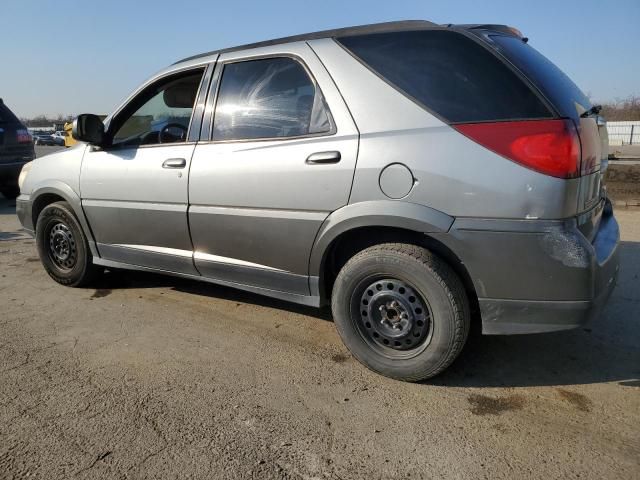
135 190
281 158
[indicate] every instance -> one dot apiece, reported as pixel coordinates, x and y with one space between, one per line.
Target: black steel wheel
401 311
63 247
394 318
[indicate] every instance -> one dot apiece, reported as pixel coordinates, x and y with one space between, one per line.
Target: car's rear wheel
401 311
63 247
10 192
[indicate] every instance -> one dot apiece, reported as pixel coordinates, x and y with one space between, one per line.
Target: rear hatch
16 144
569 103
486 82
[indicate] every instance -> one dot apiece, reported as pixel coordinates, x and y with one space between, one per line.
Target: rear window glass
7 115
449 74
552 82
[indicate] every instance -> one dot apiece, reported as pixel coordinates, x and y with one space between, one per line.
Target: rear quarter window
449 74
554 84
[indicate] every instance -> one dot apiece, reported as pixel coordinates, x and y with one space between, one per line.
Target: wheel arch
57 191
356 227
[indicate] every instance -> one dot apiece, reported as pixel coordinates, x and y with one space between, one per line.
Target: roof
337 32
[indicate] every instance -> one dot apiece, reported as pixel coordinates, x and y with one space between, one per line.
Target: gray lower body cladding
23 211
536 276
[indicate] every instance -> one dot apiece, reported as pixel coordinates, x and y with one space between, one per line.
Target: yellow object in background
69 141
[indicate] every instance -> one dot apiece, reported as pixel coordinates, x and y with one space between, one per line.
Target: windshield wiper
592 111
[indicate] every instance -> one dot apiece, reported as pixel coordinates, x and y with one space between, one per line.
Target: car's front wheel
401 311
63 247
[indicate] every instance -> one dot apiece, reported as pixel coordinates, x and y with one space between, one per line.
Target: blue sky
75 56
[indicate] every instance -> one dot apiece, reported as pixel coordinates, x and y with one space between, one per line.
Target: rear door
277 158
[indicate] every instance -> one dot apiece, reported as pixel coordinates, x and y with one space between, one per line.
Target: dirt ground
152 377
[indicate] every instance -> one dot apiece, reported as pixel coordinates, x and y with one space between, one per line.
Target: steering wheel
167 136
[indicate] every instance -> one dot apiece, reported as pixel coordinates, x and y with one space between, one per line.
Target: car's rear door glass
268 98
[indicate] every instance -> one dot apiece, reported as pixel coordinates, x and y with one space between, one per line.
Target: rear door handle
324 157
174 163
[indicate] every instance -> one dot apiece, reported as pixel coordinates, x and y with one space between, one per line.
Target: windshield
554 84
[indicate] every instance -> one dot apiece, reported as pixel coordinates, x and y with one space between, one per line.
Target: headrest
182 93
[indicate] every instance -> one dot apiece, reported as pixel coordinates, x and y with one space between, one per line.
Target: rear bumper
538 276
511 317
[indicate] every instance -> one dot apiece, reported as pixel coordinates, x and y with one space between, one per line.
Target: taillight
551 147
23 136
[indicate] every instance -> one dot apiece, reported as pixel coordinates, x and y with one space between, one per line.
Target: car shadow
6 236
606 351
122 279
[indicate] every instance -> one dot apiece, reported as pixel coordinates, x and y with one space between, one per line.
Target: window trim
212 102
203 85
197 116
482 44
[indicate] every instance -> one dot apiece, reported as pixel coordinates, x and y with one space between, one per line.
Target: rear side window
268 98
552 82
449 74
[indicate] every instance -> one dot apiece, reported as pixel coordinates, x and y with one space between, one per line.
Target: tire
419 335
63 248
10 192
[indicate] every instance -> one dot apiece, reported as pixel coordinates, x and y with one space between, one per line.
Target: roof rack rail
337 32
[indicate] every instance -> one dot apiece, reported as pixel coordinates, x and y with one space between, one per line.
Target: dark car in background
16 149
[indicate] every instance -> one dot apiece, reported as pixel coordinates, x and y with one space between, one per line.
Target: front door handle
324 157
174 163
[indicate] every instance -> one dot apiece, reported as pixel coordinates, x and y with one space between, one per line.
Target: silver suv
415 176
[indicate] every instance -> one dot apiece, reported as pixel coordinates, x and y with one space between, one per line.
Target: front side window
160 114
268 98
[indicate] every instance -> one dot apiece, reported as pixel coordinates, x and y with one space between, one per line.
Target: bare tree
622 110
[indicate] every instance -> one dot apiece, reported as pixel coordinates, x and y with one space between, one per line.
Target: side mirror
88 128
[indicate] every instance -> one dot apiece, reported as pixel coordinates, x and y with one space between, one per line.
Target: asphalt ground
145 376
